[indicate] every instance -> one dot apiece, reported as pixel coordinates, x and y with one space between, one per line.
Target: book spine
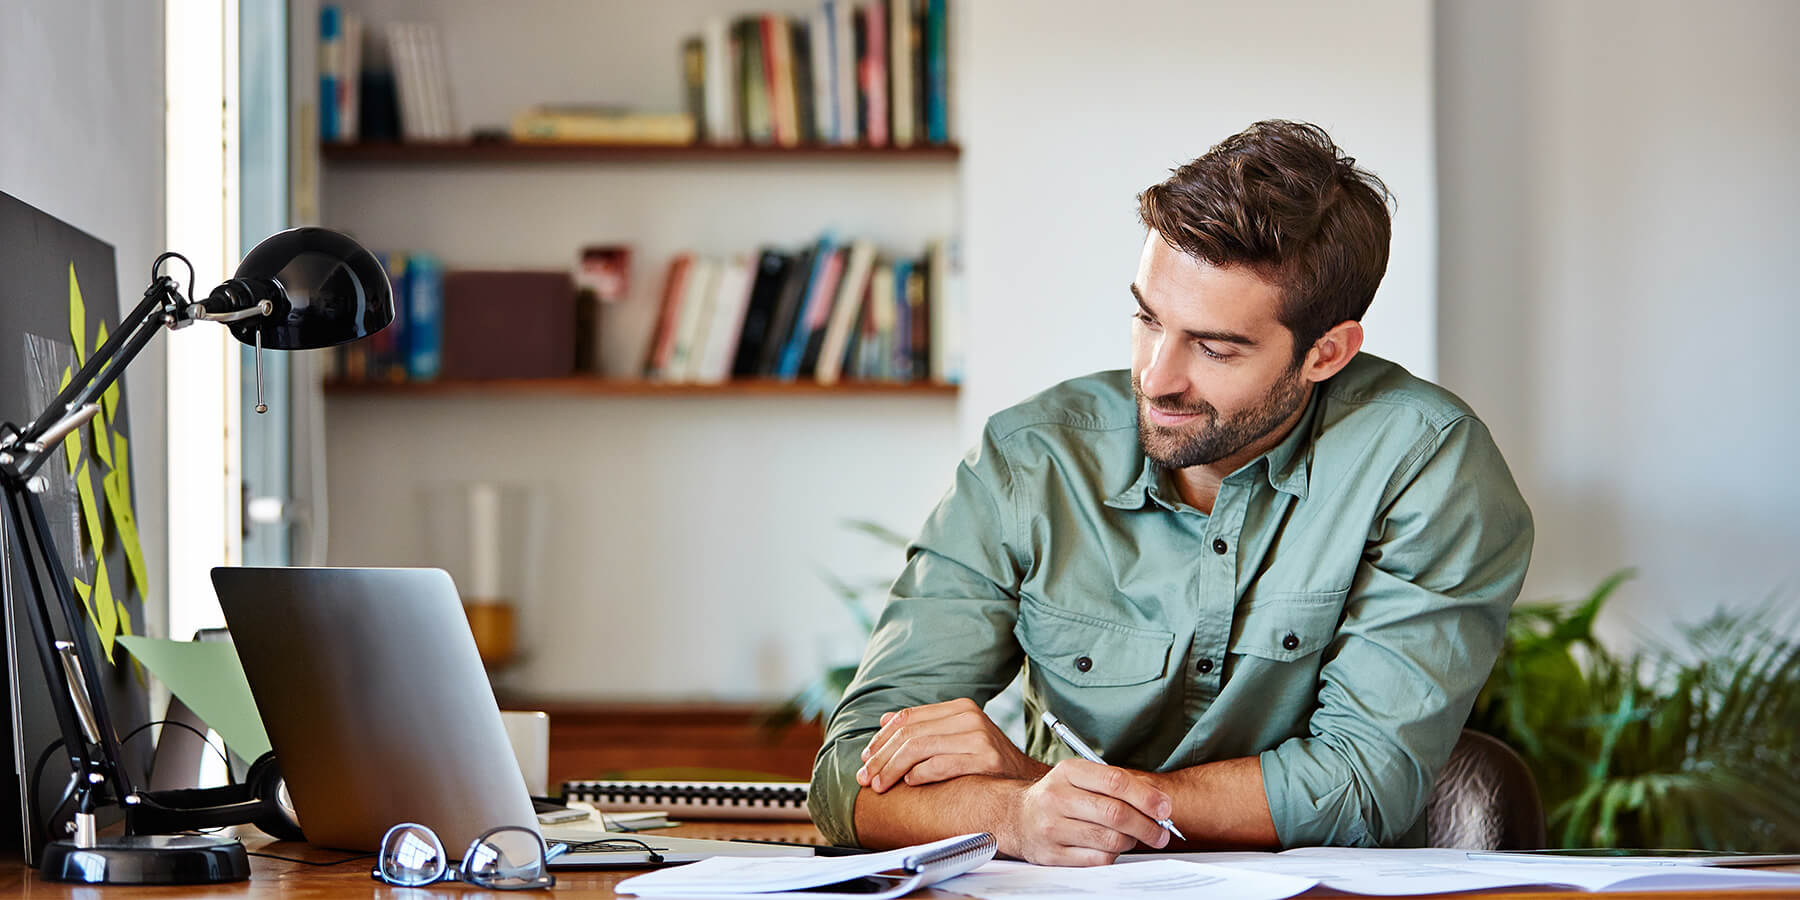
721 119
937 68
425 318
843 70
824 69
331 47
662 342
800 46
349 85
875 74
753 83
901 45
693 77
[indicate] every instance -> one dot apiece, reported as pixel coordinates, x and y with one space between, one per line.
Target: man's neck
1199 485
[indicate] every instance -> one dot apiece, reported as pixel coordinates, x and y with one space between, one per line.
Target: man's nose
1162 375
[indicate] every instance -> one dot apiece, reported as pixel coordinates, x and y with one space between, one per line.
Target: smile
1159 417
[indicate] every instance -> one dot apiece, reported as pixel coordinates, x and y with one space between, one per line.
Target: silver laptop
377 705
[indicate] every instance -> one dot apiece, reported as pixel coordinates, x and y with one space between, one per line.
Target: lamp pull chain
261 407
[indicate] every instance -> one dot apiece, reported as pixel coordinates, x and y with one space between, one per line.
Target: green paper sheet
109 399
72 443
77 318
207 676
90 512
118 503
105 610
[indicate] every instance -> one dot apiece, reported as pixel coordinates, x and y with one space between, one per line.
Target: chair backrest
1484 799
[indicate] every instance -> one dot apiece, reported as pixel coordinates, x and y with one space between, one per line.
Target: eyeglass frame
447 872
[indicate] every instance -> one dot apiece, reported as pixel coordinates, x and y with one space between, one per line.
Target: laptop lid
375 701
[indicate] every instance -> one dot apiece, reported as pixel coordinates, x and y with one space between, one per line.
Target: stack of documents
1389 873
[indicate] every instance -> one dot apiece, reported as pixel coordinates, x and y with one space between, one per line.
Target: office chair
1484 799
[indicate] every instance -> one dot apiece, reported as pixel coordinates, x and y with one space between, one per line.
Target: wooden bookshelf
593 385
485 152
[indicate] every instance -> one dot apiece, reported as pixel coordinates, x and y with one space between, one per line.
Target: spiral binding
976 848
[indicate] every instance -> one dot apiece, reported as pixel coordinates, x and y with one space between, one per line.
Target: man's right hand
1085 814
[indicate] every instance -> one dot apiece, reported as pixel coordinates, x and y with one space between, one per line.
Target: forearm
908 814
1219 805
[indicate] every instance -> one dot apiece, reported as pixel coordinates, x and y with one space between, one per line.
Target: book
753 86
695 799
937 72
349 78
662 340
601 125
331 52
802 353
801 56
800 274
731 298
843 70
875 74
424 317
872 876
823 69
759 312
721 125
828 362
901 44
693 81
696 310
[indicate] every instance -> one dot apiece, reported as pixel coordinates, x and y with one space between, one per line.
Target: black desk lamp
301 289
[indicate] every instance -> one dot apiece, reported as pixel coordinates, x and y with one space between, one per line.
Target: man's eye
1143 317
1210 354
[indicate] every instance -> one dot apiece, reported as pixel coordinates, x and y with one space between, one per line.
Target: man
1262 574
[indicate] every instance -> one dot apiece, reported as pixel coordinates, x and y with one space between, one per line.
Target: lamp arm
162 306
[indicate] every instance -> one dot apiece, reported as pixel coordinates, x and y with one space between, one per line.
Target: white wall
81 96
1072 108
1618 268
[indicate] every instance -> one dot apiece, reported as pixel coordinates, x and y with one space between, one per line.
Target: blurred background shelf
485 152
602 386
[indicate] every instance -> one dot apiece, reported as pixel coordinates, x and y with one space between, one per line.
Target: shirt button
1219 546
1082 664
1204 666
1287 643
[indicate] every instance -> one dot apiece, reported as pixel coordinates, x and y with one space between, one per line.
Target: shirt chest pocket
1285 627
1088 651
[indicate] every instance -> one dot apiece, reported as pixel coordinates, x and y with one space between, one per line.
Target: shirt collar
1287 464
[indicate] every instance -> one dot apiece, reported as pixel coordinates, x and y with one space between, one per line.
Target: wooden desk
272 879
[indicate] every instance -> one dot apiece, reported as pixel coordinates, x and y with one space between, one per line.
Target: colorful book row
874 72
836 310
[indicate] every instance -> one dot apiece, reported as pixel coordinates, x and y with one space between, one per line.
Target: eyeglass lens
507 857
411 856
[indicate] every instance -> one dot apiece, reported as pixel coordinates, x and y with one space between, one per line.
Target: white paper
1403 872
1151 880
739 875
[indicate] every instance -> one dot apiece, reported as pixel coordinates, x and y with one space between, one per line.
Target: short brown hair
1282 200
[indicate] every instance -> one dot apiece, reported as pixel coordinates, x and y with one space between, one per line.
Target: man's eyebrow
1223 337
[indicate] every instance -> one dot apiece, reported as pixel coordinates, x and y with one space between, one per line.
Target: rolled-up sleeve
1422 627
946 632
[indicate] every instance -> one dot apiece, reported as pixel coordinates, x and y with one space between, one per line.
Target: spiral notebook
873 876
696 799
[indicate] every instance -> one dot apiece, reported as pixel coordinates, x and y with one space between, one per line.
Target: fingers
893 722
898 759
910 736
1116 801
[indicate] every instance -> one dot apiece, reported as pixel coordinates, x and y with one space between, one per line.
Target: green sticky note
109 398
90 511
118 502
105 610
77 318
87 594
122 463
72 443
102 439
208 677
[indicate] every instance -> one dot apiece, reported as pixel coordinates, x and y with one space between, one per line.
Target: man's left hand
938 742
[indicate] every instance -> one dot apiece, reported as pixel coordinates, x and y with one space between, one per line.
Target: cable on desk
310 862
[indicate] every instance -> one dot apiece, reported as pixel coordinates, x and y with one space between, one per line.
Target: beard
1210 439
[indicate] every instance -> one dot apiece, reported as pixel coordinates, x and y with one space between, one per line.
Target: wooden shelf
593 385
508 152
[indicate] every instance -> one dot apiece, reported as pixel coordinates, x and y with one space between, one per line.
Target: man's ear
1332 351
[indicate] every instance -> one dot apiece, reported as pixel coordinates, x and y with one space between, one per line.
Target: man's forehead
1194 294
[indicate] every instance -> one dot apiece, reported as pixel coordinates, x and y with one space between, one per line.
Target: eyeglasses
508 858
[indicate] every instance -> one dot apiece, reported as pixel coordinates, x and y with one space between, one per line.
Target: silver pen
1085 752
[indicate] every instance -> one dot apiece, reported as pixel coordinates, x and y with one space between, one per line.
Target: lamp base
147 859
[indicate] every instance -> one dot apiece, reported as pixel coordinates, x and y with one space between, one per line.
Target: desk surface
272 878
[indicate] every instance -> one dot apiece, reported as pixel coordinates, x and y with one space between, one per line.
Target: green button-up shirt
1335 615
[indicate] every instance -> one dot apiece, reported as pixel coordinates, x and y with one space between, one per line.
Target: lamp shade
326 289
